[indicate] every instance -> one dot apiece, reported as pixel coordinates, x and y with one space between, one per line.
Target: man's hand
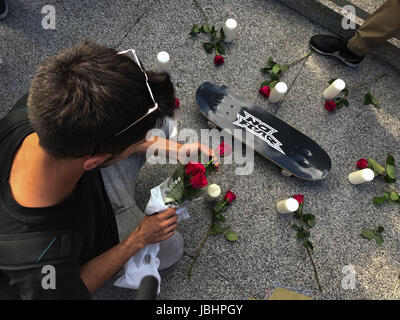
192 149
156 228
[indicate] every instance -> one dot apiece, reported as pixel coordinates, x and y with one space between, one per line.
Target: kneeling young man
70 152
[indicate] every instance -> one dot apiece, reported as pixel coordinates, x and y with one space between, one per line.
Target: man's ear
94 161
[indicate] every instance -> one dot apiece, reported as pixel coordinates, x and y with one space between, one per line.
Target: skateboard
295 153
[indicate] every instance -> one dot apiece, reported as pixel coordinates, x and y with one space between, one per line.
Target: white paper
146 262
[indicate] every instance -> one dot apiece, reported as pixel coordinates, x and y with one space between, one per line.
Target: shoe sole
5 14
336 55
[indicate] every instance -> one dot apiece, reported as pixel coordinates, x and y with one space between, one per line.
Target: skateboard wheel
286 173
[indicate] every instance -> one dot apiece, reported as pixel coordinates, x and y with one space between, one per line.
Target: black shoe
3 9
334 46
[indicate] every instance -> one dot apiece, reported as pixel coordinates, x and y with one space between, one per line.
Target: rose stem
315 269
208 233
298 60
201 9
308 251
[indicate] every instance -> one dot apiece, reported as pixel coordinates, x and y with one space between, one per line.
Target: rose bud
299 198
330 105
230 196
218 60
224 149
265 91
177 103
362 163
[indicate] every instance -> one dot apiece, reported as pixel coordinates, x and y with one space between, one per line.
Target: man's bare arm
152 229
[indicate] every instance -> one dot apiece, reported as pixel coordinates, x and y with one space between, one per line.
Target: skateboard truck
286 173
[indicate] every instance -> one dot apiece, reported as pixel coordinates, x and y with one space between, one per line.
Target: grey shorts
120 183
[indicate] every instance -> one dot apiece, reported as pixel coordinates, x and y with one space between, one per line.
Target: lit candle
230 29
334 89
213 192
361 176
163 61
278 92
287 206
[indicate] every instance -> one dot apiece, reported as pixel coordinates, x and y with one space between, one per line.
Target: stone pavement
267 253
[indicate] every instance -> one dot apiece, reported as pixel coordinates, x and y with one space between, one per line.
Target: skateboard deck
274 139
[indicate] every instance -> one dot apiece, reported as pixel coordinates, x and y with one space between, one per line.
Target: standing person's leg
120 182
3 9
382 25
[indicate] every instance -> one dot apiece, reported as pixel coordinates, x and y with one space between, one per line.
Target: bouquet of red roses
189 181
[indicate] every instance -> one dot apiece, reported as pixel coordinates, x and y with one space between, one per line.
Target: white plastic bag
146 262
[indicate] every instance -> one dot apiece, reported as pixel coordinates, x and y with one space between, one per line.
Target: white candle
213 192
230 29
163 61
287 206
278 92
334 89
361 176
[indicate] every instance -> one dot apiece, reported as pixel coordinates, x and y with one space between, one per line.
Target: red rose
265 91
177 103
193 168
362 163
224 149
330 105
218 60
299 198
198 181
230 196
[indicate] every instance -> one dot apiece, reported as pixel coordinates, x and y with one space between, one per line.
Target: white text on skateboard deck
260 129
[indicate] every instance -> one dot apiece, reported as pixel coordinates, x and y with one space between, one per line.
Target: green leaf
274 77
272 84
220 48
386 194
389 179
195 29
276 68
339 104
284 67
271 62
300 235
380 229
220 217
390 167
368 234
265 69
370 99
332 81
375 166
231 236
296 227
205 28
308 244
216 229
367 99
379 239
394 196
213 31
346 102
310 220
209 47
378 200
221 34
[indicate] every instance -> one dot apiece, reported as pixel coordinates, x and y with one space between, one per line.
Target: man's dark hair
83 96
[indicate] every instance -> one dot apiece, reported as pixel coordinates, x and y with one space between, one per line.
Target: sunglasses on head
153 108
